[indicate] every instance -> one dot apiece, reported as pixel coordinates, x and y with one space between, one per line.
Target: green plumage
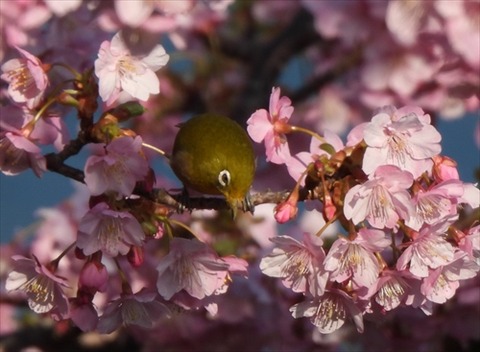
208 145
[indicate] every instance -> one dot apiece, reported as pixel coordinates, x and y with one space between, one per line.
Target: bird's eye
224 178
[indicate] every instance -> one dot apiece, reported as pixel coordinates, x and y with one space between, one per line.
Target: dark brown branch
267 61
317 83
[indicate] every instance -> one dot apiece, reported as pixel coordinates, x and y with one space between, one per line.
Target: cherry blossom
112 232
403 138
382 200
435 205
393 288
299 264
116 167
442 282
143 309
191 266
61 8
330 311
429 250
134 13
355 259
470 243
27 79
119 70
43 288
271 126
18 153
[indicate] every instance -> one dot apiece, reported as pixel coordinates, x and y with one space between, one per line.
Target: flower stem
328 223
309 132
182 225
54 263
158 150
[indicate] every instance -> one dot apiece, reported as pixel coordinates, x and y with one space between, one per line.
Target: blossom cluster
386 222
398 208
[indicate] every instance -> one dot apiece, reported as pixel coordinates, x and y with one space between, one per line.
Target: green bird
213 154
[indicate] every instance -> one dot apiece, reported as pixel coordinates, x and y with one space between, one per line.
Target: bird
212 154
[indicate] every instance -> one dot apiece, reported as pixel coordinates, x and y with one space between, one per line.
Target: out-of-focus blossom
405 19
116 167
27 79
271 126
134 13
118 69
298 264
403 138
330 311
462 28
442 282
191 266
83 314
112 232
436 204
330 111
142 309
61 8
355 259
382 200
43 288
429 250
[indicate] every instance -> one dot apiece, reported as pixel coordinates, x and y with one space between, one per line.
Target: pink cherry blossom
135 13
429 250
330 311
270 126
403 138
119 70
191 266
112 232
27 79
470 243
143 309
382 200
393 288
442 282
116 167
355 259
43 288
18 153
61 8
436 204
405 19
462 28
299 264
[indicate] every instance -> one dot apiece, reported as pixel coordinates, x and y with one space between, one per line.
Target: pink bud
94 275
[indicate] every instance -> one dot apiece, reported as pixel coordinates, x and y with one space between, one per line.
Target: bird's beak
244 204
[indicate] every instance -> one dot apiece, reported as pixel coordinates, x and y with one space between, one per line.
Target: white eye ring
224 178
